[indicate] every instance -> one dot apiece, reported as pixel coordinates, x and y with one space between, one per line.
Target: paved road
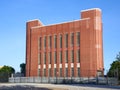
17 87
31 86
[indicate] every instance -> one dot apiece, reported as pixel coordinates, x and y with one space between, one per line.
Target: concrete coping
91 9
62 22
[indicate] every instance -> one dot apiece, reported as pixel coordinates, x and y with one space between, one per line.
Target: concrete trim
91 9
61 23
72 65
39 66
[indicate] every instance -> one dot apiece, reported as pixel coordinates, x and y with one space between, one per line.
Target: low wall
67 80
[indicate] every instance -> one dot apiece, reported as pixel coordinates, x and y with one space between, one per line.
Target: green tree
5 73
22 68
7 69
114 70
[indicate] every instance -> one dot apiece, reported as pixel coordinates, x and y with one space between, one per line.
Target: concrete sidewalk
36 86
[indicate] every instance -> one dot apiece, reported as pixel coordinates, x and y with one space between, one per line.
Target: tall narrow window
78 55
66 56
60 72
78 72
45 42
72 72
55 57
72 56
72 39
39 58
48 57
38 72
66 40
39 46
44 57
54 71
60 41
49 72
78 38
66 72
50 41
44 72
55 41
60 56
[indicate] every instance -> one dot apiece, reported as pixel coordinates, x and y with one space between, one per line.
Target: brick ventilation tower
70 49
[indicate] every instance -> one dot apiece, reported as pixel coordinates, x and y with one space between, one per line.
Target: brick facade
69 49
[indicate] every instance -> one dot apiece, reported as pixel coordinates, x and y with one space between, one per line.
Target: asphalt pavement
37 86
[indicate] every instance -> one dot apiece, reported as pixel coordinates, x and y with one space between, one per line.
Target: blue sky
15 13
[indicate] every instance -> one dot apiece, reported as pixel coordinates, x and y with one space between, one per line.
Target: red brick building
69 49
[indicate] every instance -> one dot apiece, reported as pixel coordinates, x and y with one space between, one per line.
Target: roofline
61 23
91 9
33 20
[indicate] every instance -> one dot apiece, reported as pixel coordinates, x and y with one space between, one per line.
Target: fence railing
66 80
4 76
